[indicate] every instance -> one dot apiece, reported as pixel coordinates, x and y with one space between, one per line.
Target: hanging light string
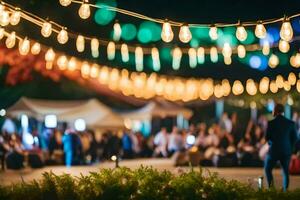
146 86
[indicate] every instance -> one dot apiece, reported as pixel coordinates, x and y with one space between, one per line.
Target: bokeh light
128 32
258 62
103 16
250 37
149 32
296 25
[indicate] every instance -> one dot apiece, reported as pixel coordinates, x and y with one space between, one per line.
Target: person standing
281 136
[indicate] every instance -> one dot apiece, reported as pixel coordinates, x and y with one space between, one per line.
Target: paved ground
241 174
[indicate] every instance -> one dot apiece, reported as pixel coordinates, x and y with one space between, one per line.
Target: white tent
95 114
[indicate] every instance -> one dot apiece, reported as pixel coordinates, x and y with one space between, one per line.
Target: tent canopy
95 114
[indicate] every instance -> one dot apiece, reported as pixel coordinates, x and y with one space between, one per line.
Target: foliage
143 183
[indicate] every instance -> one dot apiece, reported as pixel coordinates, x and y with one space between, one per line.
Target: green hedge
144 183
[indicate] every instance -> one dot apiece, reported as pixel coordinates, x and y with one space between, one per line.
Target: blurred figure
175 142
127 145
161 142
4 148
9 126
56 146
72 147
281 136
236 131
225 123
201 138
113 145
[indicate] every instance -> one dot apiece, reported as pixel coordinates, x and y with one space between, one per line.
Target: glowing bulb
177 54
227 51
297 60
95 47
111 51
50 55
251 87
167 34
266 48
62 36
36 48
117 32
94 73
292 79
65 2
292 61
24 47
213 33
227 60
85 70
124 53
1 32
72 64
139 57
11 40
298 86
155 59
273 61
284 46
226 87
46 29
4 18
192 57
273 87
185 34
218 91
62 62
237 88
201 55
241 33
241 51
264 85
15 17
260 31
279 81
286 31
80 43
84 10
214 54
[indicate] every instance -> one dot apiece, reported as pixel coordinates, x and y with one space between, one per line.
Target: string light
24 47
80 43
117 32
273 61
177 54
227 60
214 54
85 70
251 87
279 81
192 57
293 61
167 34
124 53
226 87
292 78
297 60
139 61
62 36
213 32
72 64
94 73
84 10
1 33
4 17
284 46
286 86
227 51
11 40
237 88
266 48
185 34
65 2
36 48
201 55
286 31
264 85
111 51
155 59
241 33
260 31
46 29
95 47
15 17
62 62
298 86
241 51
273 87
50 55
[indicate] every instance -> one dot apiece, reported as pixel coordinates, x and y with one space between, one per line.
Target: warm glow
1 33
241 33
94 71
227 51
103 75
192 57
273 61
24 47
62 36
139 59
155 59
279 81
292 79
36 48
266 48
214 54
241 51
4 18
65 2
286 31
185 34
284 46
124 53
298 86
84 10
227 60
213 33
218 91
15 17
85 70
117 32
260 31
226 87
46 29
80 43
286 86
237 88
201 55
50 55
177 54
264 85
72 64
273 87
11 40
62 62
251 87
297 60
111 51
167 34
95 47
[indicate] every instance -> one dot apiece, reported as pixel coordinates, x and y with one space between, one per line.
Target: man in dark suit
281 136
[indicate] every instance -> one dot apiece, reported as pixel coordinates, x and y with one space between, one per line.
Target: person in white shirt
161 142
175 141
225 123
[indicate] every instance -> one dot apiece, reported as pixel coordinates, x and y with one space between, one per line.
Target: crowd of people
222 143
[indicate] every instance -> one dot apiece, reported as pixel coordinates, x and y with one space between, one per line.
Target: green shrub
144 183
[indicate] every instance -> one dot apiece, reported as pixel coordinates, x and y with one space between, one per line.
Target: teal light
200 33
250 38
194 43
283 58
128 32
166 54
144 35
149 32
103 16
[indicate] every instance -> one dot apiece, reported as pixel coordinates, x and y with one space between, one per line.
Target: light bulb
227 51
62 62
284 46
227 60
213 33
266 48
237 87
139 57
124 53
201 55
24 47
297 60
80 43
214 54
117 32
15 17
94 73
279 81
251 87
84 10
264 85
298 86
46 29
155 59
273 87
36 48
241 51
167 34
50 55
292 78
72 64
1 33
62 36
65 2
286 31
260 31
111 51
85 70
192 57
273 61
95 47
4 18
177 54
11 40
241 33
185 34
